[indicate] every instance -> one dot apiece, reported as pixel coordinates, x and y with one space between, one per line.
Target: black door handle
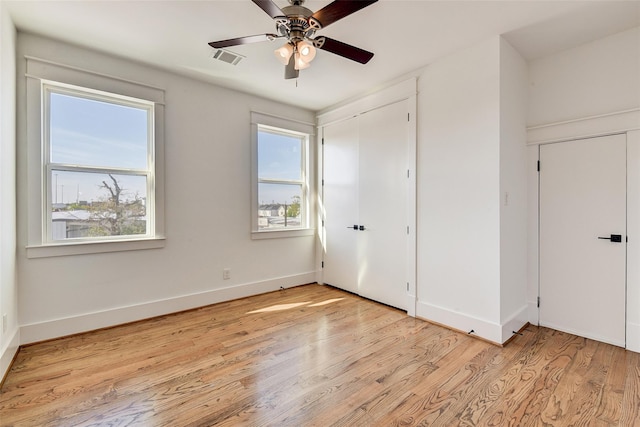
616 238
355 226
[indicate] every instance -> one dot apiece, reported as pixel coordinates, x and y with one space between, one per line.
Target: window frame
42 75
287 127
49 166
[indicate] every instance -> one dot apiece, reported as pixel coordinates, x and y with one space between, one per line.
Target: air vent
227 56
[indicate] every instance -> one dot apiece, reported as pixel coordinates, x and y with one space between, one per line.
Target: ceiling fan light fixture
306 51
300 63
284 53
298 25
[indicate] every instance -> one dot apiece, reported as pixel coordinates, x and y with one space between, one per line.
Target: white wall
513 189
600 77
9 333
472 193
596 88
459 190
207 213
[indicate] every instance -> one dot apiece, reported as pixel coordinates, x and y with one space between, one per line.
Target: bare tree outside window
115 216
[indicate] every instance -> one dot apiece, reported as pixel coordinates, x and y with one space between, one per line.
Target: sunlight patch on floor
279 307
282 307
329 301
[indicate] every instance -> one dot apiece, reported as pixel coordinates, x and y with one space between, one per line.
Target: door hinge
407 286
323 182
538 165
538 302
407 229
408 117
323 141
323 222
408 173
322 264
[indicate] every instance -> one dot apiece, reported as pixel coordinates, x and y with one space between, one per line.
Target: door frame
614 122
405 90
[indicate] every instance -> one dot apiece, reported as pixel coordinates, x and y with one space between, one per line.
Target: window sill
278 234
82 248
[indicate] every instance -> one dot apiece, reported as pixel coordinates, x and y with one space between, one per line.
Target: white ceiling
405 35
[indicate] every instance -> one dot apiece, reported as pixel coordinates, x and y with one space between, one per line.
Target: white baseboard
490 331
514 323
8 353
91 321
633 337
485 329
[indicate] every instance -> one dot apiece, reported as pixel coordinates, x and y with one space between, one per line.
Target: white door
340 204
582 217
365 186
383 204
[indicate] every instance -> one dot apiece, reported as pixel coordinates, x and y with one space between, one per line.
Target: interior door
383 204
340 204
583 237
365 202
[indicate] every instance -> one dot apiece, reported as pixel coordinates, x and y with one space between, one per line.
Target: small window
282 185
98 166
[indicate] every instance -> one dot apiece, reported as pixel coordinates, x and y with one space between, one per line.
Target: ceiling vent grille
227 56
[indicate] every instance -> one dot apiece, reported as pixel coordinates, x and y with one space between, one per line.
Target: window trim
292 126
43 72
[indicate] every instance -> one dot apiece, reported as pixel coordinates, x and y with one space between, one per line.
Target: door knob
616 238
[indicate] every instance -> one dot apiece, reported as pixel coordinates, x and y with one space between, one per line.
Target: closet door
365 204
383 204
340 205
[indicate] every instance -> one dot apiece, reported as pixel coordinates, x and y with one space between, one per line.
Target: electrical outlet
226 273
4 323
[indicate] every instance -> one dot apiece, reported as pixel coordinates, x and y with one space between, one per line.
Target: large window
281 177
99 165
94 150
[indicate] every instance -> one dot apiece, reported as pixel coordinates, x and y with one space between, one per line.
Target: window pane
86 205
279 206
88 132
279 156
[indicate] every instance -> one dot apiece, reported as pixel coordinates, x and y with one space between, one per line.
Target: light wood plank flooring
316 356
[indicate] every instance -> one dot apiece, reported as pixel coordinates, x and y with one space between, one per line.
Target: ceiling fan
298 25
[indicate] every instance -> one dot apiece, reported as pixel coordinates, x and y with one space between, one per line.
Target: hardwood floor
316 356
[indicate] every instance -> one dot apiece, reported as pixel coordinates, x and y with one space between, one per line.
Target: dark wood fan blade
345 50
338 10
243 40
270 7
290 71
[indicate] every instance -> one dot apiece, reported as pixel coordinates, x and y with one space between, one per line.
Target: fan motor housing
296 26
